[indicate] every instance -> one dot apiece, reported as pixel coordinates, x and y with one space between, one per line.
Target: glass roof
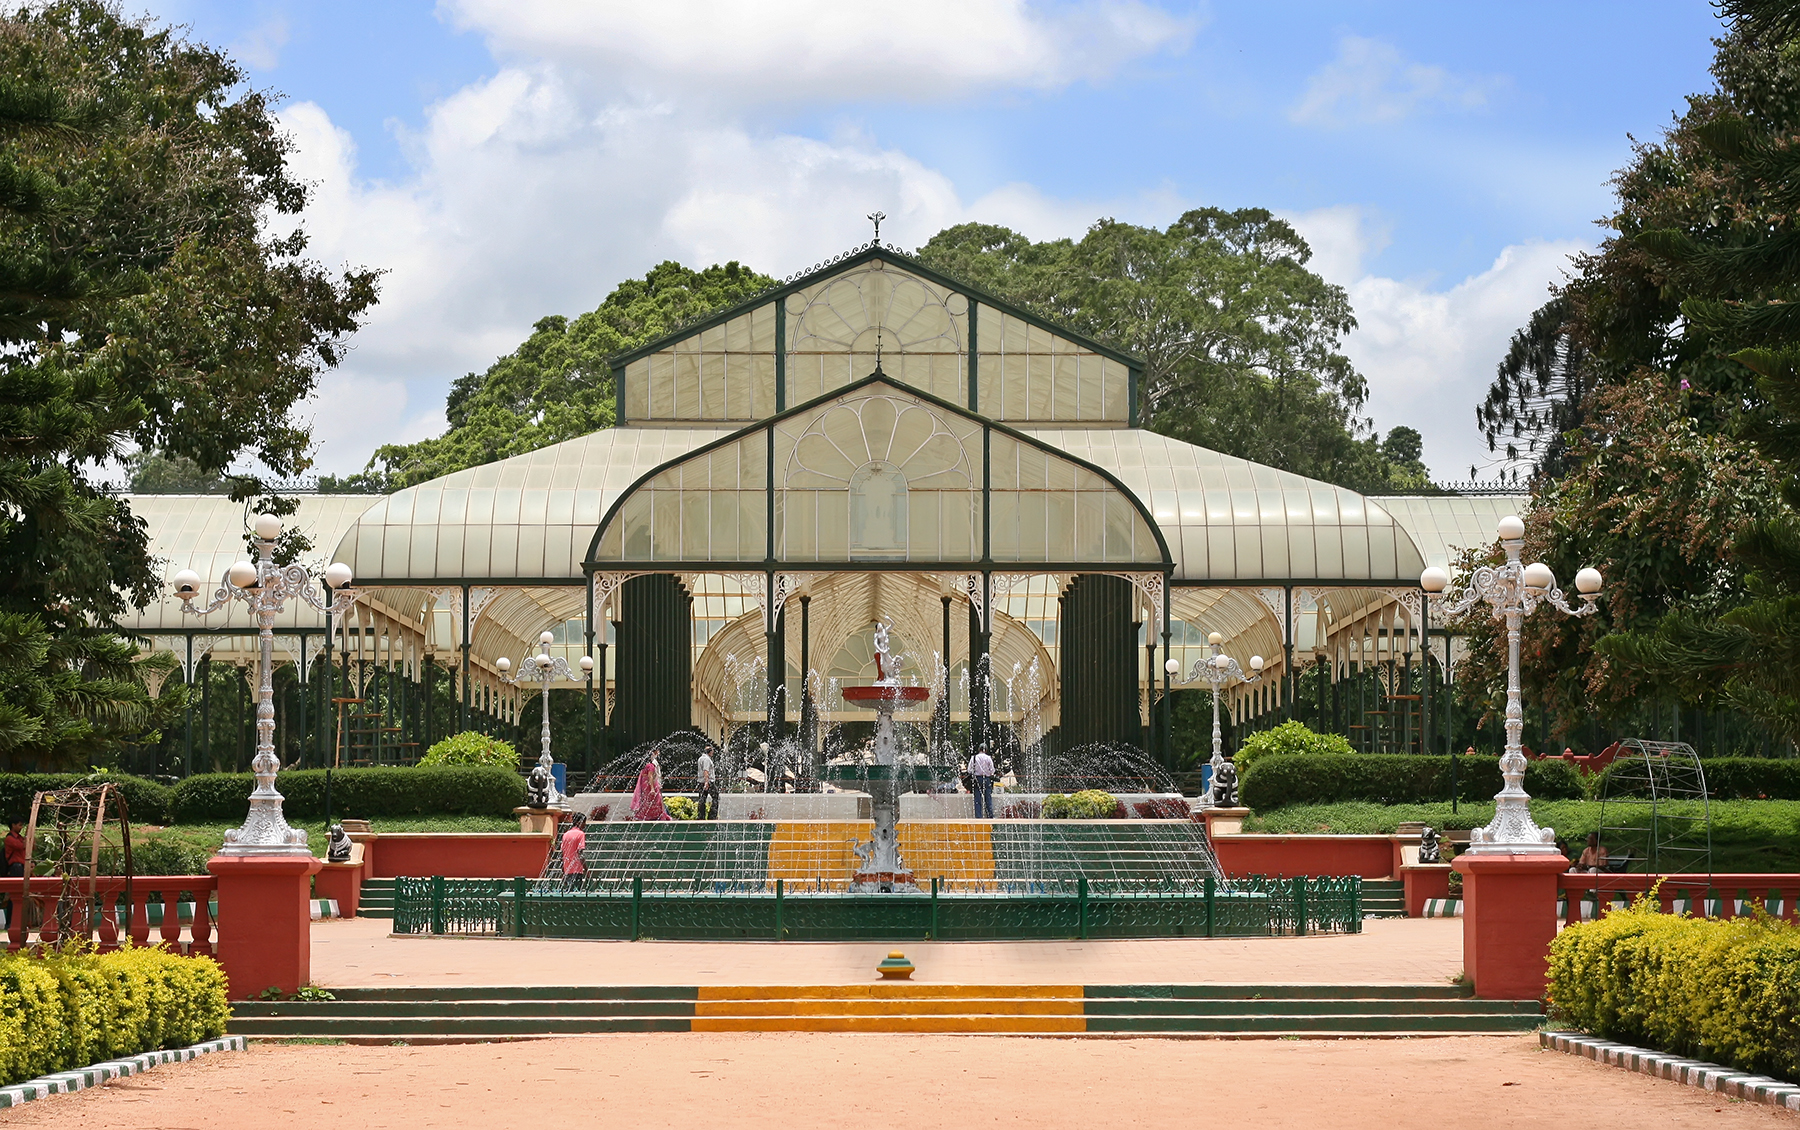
1227 519
832 328
1442 526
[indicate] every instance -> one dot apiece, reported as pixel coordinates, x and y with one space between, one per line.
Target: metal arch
604 585
1153 586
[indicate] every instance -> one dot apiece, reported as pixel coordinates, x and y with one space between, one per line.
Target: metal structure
84 846
1669 776
265 588
1251 907
543 668
1219 670
1513 591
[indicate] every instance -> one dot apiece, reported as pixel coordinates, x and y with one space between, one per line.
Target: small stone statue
540 788
338 850
1428 846
1224 786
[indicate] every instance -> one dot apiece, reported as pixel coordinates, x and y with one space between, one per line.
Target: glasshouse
870 445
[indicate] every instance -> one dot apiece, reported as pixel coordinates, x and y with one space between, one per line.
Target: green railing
1253 907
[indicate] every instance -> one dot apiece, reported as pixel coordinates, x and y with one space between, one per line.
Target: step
507 1012
1364 1022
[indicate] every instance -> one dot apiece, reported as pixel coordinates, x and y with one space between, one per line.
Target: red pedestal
343 882
1424 881
265 929
1509 919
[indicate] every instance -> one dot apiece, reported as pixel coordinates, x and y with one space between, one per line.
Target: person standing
709 786
981 768
15 852
647 797
574 843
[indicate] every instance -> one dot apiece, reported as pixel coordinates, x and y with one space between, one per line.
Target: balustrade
172 901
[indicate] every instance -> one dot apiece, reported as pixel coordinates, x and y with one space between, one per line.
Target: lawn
1747 835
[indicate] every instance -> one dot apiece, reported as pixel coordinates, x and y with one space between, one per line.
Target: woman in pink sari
647 799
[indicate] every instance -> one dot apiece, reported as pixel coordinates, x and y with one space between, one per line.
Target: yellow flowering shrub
68 1010
1727 991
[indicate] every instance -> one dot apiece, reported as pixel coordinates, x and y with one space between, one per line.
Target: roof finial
876 218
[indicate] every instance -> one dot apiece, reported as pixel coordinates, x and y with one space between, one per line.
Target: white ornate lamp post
1218 670
1514 591
265 588
544 669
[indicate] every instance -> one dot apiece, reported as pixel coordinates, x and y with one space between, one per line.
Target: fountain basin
892 694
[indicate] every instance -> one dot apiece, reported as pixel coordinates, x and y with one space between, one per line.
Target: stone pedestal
1424 881
265 927
343 881
1509 919
1225 821
537 821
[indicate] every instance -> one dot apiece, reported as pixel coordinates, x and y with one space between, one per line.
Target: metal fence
1253 907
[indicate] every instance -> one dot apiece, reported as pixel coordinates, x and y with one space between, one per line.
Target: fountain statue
881 868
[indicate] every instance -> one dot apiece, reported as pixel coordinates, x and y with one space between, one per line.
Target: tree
557 385
1624 393
1227 318
145 304
1742 293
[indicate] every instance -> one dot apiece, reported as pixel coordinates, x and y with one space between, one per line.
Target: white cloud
793 50
1429 354
1370 81
260 47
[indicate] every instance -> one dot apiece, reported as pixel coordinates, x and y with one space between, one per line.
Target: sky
503 160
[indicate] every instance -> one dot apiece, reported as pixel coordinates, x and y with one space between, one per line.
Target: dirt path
1406 951
784 1081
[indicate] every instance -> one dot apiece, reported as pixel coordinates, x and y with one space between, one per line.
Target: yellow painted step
896 1023
804 850
898 1006
887 990
961 850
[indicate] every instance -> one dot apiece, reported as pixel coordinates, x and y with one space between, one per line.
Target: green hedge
147 801
1731 778
1282 779
1725 991
65 1011
214 798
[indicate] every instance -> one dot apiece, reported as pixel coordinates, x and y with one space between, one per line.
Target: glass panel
835 324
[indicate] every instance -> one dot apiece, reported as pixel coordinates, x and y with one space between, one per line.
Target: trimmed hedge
1733 778
65 1011
1725 991
224 798
146 801
1282 779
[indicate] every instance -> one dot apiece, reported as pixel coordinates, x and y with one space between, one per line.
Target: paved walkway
1390 951
784 1081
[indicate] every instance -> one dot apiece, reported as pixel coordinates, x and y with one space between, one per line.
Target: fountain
882 868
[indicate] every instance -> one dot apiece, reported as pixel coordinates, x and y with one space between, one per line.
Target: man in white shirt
709 787
981 769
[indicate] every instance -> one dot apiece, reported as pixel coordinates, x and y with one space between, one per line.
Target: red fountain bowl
891 694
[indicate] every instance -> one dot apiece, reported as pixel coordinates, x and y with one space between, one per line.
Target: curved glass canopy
878 473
